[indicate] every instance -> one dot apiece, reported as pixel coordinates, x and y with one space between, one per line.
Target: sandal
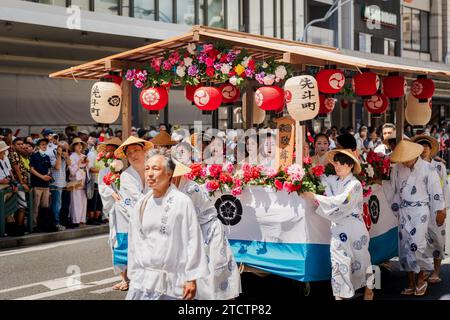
421 291
407 292
124 286
434 279
117 286
426 275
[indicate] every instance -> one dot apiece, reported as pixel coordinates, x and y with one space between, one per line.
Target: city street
81 270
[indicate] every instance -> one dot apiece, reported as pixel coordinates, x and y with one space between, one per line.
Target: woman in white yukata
436 227
224 280
416 197
343 206
78 173
132 188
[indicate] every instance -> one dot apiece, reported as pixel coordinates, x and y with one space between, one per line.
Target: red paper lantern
269 98
422 88
229 93
345 103
207 98
113 78
326 104
365 84
376 104
190 90
330 80
394 86
154 98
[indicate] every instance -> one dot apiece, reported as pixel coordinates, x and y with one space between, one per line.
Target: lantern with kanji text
302 97
106 100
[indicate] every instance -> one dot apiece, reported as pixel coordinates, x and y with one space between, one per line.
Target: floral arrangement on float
208 62
115 165
225 178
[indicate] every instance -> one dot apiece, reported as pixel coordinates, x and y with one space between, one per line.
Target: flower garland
115 165
208 62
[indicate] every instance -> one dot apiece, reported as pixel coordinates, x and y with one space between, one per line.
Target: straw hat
120 152
180 169
432 141
406 151
3 146
163 139
113 141
347 152
75 141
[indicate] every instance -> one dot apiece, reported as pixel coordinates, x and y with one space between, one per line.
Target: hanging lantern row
154 99
394 86
376 104
208 98
330 81
269 98
327 105
366 84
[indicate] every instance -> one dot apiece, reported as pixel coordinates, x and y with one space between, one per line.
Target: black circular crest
114 101
374 208
229 209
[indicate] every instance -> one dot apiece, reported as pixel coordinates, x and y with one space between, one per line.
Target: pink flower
130 74
270 172
138 84
236 191
207 47
278 185
246 167
141 75
307 160
209 62
295 172
228 167
367 192
212 185
204 173
167 65
215 170
174 57
156 64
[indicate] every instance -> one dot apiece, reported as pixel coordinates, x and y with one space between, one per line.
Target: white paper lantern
106 100
417 113
302 97
259 115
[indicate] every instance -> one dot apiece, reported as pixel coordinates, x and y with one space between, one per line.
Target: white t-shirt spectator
5 168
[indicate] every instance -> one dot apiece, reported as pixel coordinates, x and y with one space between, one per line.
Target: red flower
225 178
107 179
210 71
196 171
237 182
307 160
290 187
278 185
212 185
251 64
223 58
215 170
236 191
256 172
318 170
232 73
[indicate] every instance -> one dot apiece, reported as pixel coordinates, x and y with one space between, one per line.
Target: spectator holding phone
40 178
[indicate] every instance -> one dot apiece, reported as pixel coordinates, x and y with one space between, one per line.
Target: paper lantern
365 84
345 103
154 98
394 86
327 105
190 90
259 115
269 98
113 78
376 104
106 99
302 97
229 92
330 80
422 88
207 98
417 113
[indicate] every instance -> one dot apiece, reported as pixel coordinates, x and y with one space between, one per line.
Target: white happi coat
224 280
349 247
165 247
131 190
416 196
436 234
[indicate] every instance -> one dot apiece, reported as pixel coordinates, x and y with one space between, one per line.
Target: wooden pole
299 140
400 119
126 109
249 102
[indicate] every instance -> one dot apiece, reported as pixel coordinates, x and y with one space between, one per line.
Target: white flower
233 80
187 61
244 62
117 165
268 80
225 69
370 171
191 48
296 172
265 65
280 72
181 71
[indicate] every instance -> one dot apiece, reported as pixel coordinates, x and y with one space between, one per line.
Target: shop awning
261 47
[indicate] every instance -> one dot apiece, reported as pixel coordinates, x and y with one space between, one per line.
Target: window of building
415 29
299 18
106 6
389 47
288 19
215 13
255 17
268 18
365 42
125 8
186 12
201 11
165 11
233 14
83 4
144 9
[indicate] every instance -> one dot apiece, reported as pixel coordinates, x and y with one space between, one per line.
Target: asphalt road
81 270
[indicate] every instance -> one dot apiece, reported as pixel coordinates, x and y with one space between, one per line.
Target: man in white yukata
132 188
416 198
436 227
165 255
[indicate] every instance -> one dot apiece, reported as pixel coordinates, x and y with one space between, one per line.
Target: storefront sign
376 17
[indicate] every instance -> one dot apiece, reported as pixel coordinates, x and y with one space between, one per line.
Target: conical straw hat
348 152
113 141
432 141
406 151
163 139
180 169
120 152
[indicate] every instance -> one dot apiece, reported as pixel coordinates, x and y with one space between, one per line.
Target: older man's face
156 175
388 132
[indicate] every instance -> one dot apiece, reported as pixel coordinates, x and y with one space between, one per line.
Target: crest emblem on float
229 210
